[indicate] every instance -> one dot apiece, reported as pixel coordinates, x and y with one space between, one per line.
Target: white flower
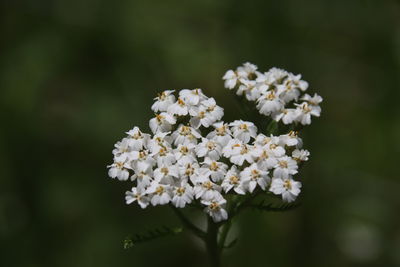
163 101
300 155
305 111
298 82
143 174
166 173
273 144
221 134
262 140
121 147
159 140
164 155
277 74
201 117
192 97
247 70
209 148
119 169
207 190
141 156
254 90
243 154
185 135
286 166
215 111
188 160
290 139
269 103
213 169
137 194
231 79
185 154
189 171
215 208
288 188
287 115
232 181
312 100
233 147
254 176
162 122
179 108
136 139
182 194
249 89
161 194
264 157
243 130
288 91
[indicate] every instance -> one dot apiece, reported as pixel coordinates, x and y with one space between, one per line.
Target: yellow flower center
283 164
266 140
142 154
160 190
293 133
255 174
210 145
270 96
264 155
221 130
180 191
185 130
159 118
189 170
119 165
234 179
243 126
213 166
211 108
181 102
244 150
287 184
184 150
214 206
306 108
208 185
162 96
164 170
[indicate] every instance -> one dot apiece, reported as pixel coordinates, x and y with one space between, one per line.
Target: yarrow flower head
194 158
277 93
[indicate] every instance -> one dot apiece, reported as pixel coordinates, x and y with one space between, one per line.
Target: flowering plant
195 159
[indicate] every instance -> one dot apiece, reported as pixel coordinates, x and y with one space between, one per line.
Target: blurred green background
76 74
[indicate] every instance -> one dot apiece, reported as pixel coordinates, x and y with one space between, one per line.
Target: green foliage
150 235
262 206
232 243
272 127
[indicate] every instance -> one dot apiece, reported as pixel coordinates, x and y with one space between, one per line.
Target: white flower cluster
193 156
276 92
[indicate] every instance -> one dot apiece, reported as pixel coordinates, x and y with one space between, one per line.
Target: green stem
189 225
211 240
224 234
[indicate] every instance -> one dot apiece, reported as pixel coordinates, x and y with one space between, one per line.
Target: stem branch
189 225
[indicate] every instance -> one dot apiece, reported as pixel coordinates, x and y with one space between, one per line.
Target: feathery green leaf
151 235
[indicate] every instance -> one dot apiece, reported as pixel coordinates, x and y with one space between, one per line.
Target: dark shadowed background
76 74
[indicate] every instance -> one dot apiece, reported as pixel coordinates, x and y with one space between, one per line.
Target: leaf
150 235
270 207
232 243
272 127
